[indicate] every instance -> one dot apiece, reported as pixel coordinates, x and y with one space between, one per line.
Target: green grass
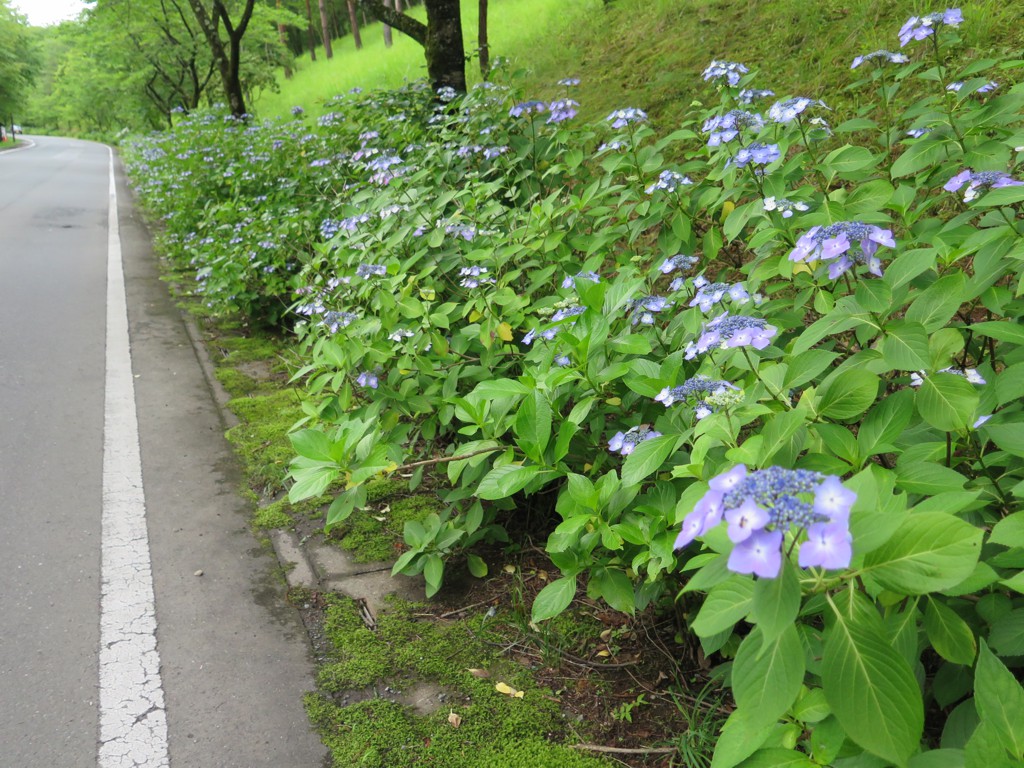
650 53
514 26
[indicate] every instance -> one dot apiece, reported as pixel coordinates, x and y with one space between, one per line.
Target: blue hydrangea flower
562 110
722 129
919 28
572 311
367 379
668 181
710 294
833 244
730 332
474 277
366 271
569 82
335 321
784 206
678 263
881 57
787 110
730 71
917 133
748 96
570 280
971 374
704 391
625 442
979 182
763 506
642 310
756 153
620 118
988 87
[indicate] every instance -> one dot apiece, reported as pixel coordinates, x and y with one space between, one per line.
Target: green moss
271 516
243 349
383 488
262 438
496 730
371 539
235 382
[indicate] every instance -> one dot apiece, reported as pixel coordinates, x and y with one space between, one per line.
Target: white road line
133 721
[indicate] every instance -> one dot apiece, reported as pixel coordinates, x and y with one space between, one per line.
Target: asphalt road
115 479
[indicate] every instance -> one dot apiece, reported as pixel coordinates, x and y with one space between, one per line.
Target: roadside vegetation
741 385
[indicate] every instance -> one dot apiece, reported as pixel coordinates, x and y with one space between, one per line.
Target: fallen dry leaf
479 673
508 690
454 719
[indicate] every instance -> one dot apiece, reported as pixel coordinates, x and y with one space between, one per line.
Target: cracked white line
133 721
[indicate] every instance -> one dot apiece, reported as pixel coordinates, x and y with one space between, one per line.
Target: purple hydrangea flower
917 133
748 96
971 374
569 82
919 28
729 332
474 277
988 87
832 244
562 110
367 379
722 129
710 294
881 57
335 321
620 118
980 182
668 181
366 271
572 311
761 507
784 206
730 71
756 153
642 310
788 110
570 280
702 388
680 262
625 442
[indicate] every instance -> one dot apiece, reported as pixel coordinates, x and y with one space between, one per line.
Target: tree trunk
328 51
444 49
387 29
485 53
355 24
228 59
283 37
309 30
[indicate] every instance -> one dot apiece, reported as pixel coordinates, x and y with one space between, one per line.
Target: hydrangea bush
768 367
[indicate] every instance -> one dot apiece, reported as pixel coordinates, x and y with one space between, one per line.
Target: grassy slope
649 53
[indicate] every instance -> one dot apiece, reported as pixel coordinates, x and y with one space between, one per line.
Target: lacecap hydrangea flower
706 391
730 71
368 379
668 181
784 206
625 442
730 332
709 294
919 28
763 507
833 244
756 153
971 374
680 262
880 57
620 118
787 110
722 129
571 280
979 182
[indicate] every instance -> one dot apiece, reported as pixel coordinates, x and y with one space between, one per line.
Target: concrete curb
313 564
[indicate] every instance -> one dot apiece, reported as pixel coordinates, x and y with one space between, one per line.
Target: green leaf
1000 331
1000 701
312 443
884 423
938 758
848 394
778 757
740 738
1007 633
648 457
476 565
767 675
493 388
1009 437
614 586
927 553
776 602
777 433
311 482
554 598
952 639
807 365
934 306
1009 531
925 153
849 159
433 574
946 401
928 478
506 480
533 425
871 689
632 344
834 322
725 604
905 346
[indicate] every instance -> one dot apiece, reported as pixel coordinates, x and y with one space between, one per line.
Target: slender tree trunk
283 37
387 29
309 31
228 58
355 24
485 52
325 29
